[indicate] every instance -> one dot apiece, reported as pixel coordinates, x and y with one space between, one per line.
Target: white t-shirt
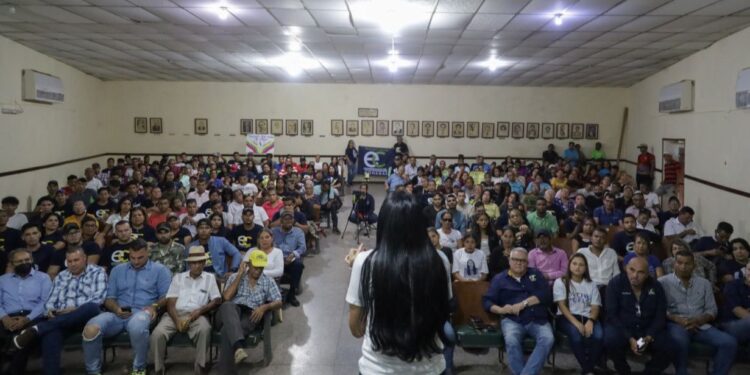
373 362
580 298
449 240
602 268
470 266
17 221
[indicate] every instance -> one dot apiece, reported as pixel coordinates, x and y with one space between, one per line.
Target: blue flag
376 161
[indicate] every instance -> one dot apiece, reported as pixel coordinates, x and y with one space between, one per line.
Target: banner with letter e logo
259 144
376 161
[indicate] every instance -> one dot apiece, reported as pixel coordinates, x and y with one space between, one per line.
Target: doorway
673 179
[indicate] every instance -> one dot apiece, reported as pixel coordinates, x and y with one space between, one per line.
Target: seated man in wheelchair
364 207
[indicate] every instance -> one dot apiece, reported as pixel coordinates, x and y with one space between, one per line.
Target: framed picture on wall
472 129
337 127
397 127
517 129
140 125
352 128
412 128
428 129
488 130
307 127
457 129
292 127
443 129
155 125
563 130
548 130
532 130
261 126
246 126
381 127
277 126
201 126
368 128
577 131
503 129
592 131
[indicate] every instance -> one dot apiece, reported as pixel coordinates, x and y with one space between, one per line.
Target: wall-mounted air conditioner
677 97
42 88
742 93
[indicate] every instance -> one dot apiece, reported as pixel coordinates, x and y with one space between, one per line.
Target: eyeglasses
447 219
517 260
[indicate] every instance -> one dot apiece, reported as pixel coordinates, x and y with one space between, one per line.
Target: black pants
17 358
294 272
234 322
644 179
617 344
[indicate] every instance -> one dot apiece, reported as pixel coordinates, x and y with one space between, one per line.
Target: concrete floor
314 338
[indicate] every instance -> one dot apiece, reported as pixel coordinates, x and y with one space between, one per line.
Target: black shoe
336 231
293 301
25 338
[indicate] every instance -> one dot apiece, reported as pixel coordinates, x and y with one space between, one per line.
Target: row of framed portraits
469 129
291 127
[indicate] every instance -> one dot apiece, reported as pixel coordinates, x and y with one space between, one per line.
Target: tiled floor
314 338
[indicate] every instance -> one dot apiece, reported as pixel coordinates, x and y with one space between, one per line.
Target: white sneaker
239 355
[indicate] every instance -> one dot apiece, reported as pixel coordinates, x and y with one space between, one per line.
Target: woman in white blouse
275 267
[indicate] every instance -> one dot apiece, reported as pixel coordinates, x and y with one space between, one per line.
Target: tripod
358 196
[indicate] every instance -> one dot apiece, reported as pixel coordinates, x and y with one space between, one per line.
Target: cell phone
126 309
640 344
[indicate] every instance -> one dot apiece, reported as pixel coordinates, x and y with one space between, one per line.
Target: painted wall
715 133
224 104
45 134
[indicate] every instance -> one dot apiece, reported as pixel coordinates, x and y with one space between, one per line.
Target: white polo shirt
193 293
674 227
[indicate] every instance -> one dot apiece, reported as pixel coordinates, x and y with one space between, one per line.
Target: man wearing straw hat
191 295
249 295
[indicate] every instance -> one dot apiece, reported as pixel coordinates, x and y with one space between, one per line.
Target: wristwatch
525 303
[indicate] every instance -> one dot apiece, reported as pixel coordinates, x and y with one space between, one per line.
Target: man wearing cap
551 261
73 239
135 294
180 234
249 294
76 295
167 251
245 236
291 241
300 221
191 295
219 248
644 171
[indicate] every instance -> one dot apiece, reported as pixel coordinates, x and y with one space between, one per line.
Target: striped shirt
74 291
265 291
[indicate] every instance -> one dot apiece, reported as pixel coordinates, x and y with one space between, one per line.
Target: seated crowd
205 234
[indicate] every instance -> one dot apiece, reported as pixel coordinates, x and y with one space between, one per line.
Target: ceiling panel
600 42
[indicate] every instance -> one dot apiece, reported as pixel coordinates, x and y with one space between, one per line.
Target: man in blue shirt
459 220
76 295
607 215
137 291
22 296
571 154
522 296
636 319
291 241
219 248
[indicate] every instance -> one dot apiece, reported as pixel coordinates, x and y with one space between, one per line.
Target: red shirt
155 219
272 209
644 163
671 170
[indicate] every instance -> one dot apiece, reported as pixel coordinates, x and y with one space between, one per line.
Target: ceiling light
294 63
390 15
558 19
493 63
223 13
295 46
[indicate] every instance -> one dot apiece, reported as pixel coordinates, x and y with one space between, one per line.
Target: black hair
404 284
10 200
28 226
687 210
725 227
741 241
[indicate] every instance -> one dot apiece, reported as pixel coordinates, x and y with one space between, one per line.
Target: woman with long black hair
393 299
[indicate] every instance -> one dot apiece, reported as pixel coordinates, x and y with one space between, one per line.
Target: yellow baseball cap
258 258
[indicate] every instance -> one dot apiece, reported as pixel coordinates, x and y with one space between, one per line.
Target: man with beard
167 251
73 239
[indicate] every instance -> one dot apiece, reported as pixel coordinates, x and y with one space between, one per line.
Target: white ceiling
600 42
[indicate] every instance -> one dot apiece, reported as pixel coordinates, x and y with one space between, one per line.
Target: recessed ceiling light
558 19
493 63
223 12
295 46
390 15
294 63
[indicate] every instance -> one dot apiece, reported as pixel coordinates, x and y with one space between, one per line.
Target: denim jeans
513 334
587 350
110 325
351 168
724 344
449 345
739 329
52 333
